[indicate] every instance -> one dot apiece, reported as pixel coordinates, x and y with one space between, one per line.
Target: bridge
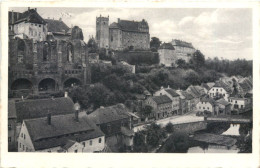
229 119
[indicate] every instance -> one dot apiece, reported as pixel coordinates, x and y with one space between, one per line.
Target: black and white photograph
130 80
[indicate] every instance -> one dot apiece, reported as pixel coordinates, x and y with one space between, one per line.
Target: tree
155 43
181 63
92 45
198 59
169 127
147 110
177 143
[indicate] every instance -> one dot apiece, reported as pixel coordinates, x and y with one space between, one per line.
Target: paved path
179 119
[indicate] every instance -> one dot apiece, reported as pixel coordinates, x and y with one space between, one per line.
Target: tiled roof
180 43
30 16
108 114
11 109
56 26
223 85
162 99
167 46
196 91
223 102
171 92
69 144
248 95
61 129
131 25
207 99
205 85
28 109
187 95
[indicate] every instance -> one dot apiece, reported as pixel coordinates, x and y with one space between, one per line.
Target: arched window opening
69 53
46 51
21 51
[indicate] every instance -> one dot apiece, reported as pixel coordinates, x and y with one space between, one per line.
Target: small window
242 106
24 136
84 144
40 25
20 145
235 101
208 108
203 108
100 140
9 139
23 147
76 151
90 142
26 149
35 24
9 126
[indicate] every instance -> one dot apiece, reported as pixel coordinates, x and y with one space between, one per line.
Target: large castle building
45 55
122 35
170 53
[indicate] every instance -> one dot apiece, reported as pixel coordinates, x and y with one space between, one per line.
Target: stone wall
136 40
189 127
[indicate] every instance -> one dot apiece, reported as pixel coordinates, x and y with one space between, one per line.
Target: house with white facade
206 104
173 96
60 133
220 90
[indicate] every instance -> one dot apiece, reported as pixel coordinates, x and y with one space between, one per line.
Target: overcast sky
225 33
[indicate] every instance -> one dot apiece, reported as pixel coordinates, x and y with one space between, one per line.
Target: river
233 132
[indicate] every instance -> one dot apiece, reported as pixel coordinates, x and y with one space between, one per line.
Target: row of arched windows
46 52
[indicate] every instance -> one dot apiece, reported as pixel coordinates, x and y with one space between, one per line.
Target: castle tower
102 31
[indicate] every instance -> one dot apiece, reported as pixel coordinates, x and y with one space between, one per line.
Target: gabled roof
207 99
61 129
181 43
161 99
248 95
196 91
223 102
69 144
109 114
134 26
205 85
187 95
37 108
11 109
172 92
167 46
31 16
223 85
56 26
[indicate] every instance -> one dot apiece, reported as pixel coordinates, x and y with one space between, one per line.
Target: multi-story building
116 122
61 133
28 24
183 49
167 55
162 106
220 90
206 104
173 96
45 65
122 35
23 109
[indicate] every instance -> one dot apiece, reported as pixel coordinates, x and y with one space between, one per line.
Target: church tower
102 32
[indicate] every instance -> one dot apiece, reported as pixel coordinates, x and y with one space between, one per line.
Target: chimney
49 118
28 8
66 94
77 115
